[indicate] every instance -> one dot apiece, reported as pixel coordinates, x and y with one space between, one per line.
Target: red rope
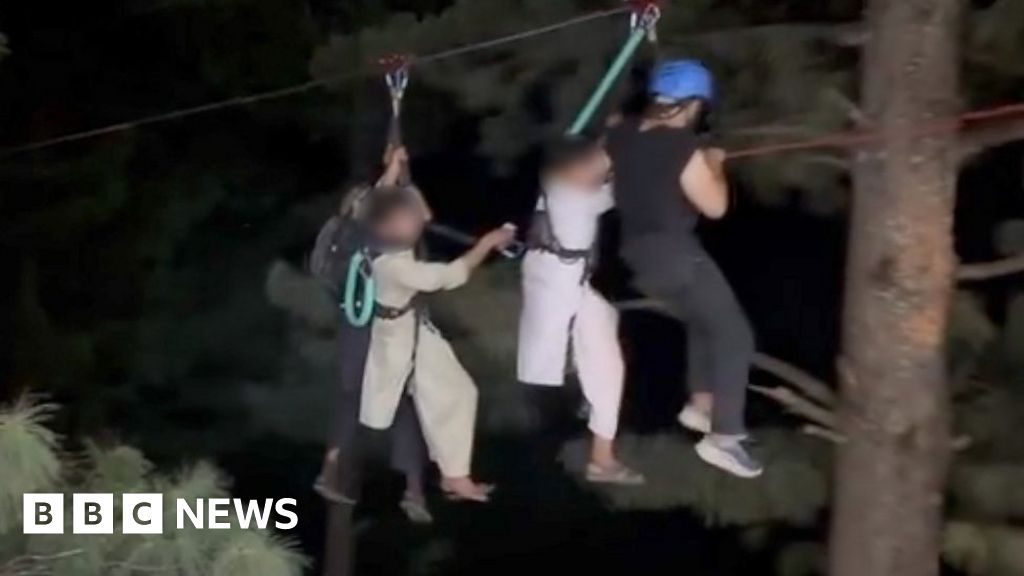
852 138
639 6
394 62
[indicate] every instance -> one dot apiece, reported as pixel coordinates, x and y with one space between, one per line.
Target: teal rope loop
359 309
643 25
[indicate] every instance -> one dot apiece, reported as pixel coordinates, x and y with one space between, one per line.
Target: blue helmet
675 80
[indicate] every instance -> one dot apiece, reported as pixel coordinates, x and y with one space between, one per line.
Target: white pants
560 312
446 400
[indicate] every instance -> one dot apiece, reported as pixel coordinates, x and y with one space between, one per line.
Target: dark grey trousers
720 341
408 449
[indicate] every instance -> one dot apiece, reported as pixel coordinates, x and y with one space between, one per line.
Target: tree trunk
891 471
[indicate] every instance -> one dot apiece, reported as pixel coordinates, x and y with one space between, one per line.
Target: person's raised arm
496 239
704 184
432 276
395 159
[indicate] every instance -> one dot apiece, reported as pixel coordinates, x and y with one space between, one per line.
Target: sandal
619 474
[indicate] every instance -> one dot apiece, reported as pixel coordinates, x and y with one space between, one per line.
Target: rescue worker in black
665 180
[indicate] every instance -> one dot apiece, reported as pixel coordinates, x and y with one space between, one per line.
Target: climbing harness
541 237
393 312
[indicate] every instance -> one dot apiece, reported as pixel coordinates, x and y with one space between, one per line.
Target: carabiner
396 74
645 16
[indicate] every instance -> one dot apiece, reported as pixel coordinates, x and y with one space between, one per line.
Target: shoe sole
715 458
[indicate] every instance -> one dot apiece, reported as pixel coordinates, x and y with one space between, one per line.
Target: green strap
583 118
364 302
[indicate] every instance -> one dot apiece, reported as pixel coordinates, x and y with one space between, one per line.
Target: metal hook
396 74
645 15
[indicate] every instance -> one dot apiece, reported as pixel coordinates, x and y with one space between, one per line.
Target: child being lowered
406 348
560 307
664 182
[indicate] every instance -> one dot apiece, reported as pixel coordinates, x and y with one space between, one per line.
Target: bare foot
465 488
616 473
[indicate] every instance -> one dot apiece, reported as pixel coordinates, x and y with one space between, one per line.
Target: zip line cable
843 139
177 114
524 35
308 85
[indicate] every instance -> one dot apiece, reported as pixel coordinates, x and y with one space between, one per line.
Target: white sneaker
693 419
729 456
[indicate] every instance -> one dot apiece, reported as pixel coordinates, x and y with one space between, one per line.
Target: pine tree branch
815 389
990 270
976 139
1011 67
823 433
849 107
810 386
800 406
962 442
31 563
840 164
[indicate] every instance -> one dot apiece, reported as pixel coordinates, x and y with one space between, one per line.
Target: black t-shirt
658 222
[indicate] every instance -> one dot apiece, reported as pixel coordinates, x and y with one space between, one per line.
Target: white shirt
575 212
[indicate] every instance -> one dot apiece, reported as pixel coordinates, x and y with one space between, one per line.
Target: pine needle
28 455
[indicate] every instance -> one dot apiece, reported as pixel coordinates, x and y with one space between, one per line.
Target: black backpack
338 240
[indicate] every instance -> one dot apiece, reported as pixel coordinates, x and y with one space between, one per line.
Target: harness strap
541 238
385 312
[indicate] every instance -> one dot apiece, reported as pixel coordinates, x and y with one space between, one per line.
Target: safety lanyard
642 22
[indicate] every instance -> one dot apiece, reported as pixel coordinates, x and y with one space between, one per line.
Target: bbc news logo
144 513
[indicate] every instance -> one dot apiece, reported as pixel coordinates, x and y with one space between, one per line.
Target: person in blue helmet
665 181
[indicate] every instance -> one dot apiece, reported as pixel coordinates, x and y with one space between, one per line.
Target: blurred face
403 226
591 170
